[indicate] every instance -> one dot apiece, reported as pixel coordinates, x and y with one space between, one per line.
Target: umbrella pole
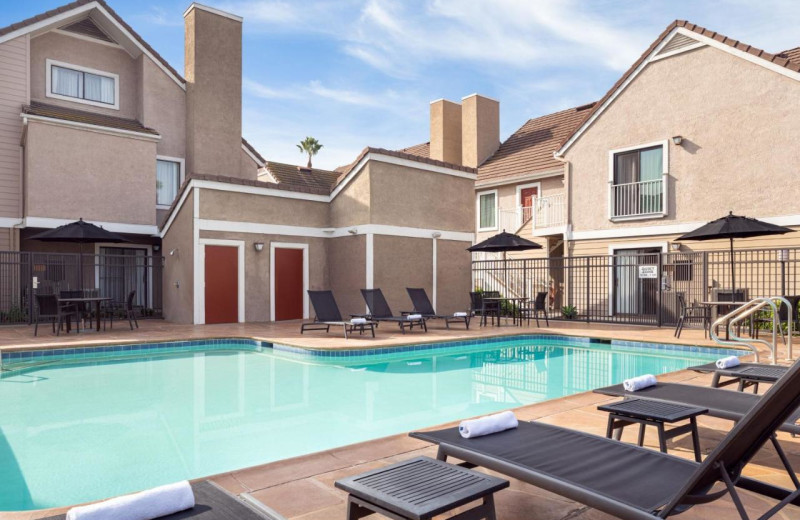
733 274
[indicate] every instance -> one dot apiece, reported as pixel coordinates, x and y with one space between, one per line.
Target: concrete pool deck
302 488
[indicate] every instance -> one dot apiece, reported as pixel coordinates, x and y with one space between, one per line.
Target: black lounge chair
422 305
327 313
213 503
379 311
628 481
745 374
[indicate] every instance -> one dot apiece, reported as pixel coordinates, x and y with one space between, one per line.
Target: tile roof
530 149
290 176
422 149
780 59
78 3
90 118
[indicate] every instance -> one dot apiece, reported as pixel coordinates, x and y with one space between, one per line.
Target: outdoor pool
84 424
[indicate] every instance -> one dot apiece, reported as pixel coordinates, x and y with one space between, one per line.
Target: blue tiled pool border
9 359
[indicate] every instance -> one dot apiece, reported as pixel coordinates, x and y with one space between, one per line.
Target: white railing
544 212
637 198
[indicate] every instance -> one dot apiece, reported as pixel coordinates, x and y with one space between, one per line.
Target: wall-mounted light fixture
675 246
173 252
352 231
259 246
156 247
436 234
677 140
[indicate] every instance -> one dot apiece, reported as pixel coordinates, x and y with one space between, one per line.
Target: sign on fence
648 271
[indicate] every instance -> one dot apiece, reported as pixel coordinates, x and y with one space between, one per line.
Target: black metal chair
480 307
48 310
326 313
690 313
129 310
422 305
539 305
379 310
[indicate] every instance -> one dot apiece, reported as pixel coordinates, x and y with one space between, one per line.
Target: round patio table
97 300
718 304
516 313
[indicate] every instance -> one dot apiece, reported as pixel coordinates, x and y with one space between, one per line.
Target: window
82 85
168 181
637 187
487 211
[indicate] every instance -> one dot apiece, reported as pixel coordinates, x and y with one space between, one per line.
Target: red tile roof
290 176
422 149
90 118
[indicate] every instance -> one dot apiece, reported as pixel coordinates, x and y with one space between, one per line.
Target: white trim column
434 289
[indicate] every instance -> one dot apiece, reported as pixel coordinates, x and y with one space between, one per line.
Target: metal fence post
29 284
588 289
660 286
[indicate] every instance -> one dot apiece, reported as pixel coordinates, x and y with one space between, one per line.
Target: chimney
213 61
445 131
480 129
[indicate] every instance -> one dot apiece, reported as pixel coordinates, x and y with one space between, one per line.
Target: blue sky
361 72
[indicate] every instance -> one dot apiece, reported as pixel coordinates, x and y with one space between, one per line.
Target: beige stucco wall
480 129
162 106
85 53
179 267
453 276
739 126
401 262
246 207
248 167
13 94
114 183
347 272
445 139
352 205
403 196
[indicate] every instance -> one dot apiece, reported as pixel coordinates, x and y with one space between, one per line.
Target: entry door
288 284
527 197
634 295
222 284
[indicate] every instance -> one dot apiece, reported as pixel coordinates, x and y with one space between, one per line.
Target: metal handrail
746 310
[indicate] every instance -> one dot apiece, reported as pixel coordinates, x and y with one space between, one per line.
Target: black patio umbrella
503 242
79 232
734 226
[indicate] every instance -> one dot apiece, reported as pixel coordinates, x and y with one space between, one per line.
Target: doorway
635 291
288 281
221 284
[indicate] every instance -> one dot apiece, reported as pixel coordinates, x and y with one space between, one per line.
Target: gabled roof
290 176
422 150
788 61
104 8
250 148
37 108
530 149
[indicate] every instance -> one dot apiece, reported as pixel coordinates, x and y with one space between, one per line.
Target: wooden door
527 197
222 284
288 274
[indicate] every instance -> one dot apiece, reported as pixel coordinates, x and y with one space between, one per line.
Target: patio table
97 300
718 304
515 314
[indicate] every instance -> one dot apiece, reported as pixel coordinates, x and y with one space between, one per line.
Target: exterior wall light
173 252
675 246
156 247
677 140
259 246
352 231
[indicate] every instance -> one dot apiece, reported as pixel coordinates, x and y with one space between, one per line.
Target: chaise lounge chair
746 374
628 481
213 503
422 305
327 315
379 311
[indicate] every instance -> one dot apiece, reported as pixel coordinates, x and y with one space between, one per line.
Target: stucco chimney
445 131
480 129
213 60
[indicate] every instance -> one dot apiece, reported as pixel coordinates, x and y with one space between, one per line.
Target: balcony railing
637 198
544 212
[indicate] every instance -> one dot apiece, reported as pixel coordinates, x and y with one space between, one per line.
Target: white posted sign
648 271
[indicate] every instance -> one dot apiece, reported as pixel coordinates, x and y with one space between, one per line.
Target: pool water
76 431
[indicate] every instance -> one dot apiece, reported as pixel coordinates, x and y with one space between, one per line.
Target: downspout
567 298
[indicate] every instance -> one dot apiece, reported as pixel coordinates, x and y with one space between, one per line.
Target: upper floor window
487 210
82 85
637 183
168 180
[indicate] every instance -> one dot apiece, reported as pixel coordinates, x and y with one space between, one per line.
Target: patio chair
631 482
49 311
690 313
379 311
326 314
80 309
422 305
211 502
478 306
539 305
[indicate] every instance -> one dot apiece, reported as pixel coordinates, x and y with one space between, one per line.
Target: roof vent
304 169
87 27
676 43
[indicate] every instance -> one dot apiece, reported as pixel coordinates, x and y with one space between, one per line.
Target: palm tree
310 146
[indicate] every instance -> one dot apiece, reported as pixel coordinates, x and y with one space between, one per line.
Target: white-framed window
637 181
487 210
169 177
81 84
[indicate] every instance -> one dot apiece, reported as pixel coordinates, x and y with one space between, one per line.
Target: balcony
637 199
545 212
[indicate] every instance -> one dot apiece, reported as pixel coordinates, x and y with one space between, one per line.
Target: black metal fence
25 274
642 287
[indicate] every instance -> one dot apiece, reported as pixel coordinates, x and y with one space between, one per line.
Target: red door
222 284
288 284
527 196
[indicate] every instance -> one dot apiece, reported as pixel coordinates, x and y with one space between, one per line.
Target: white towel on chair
487 425
358 321
728 362
146 505
638 383
459 314
414 317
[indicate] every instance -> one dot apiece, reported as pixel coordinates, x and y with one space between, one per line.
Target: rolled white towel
728 362
358 321
487 425
638 383
414 317
146 505
459 314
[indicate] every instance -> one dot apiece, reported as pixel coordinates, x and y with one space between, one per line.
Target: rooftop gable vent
678 43
87 27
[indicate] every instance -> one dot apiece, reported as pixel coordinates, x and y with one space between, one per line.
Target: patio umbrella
734 226
501 243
